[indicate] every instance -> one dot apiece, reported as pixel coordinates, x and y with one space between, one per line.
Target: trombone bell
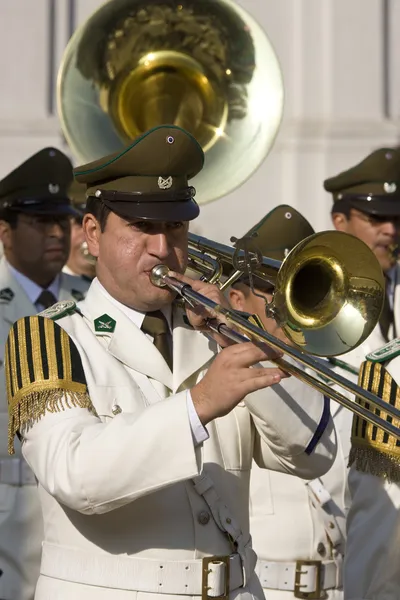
329 293
329 290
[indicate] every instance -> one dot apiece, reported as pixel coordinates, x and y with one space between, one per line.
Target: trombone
328 298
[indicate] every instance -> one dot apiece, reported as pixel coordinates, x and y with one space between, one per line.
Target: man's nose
158 245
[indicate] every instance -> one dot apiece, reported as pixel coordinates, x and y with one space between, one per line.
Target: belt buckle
207 560
318 579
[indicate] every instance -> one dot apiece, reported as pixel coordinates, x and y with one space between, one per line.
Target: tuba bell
203 65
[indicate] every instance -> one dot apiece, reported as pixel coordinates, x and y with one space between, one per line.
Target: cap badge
54 188
164 184
389 187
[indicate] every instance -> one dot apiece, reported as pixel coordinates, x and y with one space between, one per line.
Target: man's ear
339 221
92 231
5 234
236 299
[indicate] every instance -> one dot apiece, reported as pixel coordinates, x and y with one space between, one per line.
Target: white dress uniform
372 566
133 505
21 526
293 521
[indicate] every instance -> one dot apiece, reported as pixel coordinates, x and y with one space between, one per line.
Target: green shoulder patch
386 352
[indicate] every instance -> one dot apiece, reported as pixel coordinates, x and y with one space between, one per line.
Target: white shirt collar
136 316
32 289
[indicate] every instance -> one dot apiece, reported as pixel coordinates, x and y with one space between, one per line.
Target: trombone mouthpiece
157 275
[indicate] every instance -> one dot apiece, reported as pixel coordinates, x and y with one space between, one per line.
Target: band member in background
79 263
372 565
294 521
143 441
35 231
366 203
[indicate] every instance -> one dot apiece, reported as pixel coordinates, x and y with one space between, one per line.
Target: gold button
331 525
116 409
229 521
203 517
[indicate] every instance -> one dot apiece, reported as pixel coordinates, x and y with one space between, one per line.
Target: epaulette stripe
16 359
78 374
22 356
37 352
42 358
59 358
50 349
13 359
66 357
29 349
7 362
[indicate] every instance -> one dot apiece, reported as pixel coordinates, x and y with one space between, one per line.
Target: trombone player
142 443
293 521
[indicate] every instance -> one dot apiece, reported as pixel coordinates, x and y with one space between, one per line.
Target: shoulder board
59 310
386 352
372 450
44 373
336 362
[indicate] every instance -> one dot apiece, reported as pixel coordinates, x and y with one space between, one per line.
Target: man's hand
230 378
199 315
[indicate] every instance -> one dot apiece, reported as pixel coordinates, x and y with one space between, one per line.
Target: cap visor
379 206
186 210
48 210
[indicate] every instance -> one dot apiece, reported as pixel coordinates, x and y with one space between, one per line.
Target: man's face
38 246
127 251
77 262
377 232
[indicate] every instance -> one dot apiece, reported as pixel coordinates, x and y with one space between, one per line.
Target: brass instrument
204 65
328 297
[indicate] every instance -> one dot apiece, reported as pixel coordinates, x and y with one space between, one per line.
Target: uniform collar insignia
386 352
104 324
6 294
78 295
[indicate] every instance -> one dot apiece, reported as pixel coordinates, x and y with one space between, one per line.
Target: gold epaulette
374 451
44 373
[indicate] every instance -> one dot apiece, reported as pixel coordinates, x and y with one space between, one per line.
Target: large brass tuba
204 65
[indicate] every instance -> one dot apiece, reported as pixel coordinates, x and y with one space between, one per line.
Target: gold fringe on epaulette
34 405
369 460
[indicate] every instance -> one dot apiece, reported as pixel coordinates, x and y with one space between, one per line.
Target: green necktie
155 324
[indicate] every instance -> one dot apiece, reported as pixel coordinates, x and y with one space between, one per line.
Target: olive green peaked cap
372 186
77 195
277 233
149 178
39 185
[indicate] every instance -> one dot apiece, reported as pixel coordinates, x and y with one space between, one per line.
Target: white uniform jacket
131 504
293 520
21 527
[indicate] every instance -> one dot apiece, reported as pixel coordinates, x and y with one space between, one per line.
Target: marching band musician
79 263
34 228
372 566
140 434
298 526
366 204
